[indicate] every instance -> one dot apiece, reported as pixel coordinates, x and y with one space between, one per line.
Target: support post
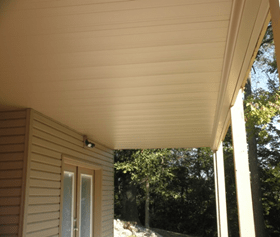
217 196
220 188
242 173
274 6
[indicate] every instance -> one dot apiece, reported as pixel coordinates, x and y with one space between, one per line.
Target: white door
77 212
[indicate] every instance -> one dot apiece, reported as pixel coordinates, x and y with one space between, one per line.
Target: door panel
69 199
85 211
77 213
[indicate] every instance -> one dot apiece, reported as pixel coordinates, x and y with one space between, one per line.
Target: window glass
68 201
86 206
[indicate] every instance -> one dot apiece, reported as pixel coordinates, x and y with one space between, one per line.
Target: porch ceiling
132 73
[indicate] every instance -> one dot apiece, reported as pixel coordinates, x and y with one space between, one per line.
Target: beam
274 6
220 192
242 173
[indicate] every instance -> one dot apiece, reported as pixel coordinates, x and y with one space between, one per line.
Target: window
81 199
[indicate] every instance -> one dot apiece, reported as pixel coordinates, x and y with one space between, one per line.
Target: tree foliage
182 197
150 165
150 169
262 107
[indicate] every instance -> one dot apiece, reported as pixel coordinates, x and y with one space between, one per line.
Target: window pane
68 195
86 206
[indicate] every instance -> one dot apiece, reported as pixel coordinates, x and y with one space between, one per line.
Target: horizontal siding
109 193
108 209
106 218
108 226
42 225
107 212
45 167
10 183
37 183
108 233
45 232
46 160
108 202
10 115
107 221
69 151
108 172
64 143
70 132
11 148
10 201
11 156
108 187
44 208
107 197
12 131
12 123
12 145
9 229
10 192
43 217
44 200
10 174
51 140
14 165
45 175
9 210
15 139
35 191
9 220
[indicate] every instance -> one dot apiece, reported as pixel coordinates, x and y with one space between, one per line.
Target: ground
165 233
130 229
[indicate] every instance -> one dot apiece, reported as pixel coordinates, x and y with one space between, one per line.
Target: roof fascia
222 116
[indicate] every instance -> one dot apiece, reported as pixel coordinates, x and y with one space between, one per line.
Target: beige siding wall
49 142
12 146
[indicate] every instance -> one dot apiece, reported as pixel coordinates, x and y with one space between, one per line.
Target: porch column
275 18
217 195
242 173
222 225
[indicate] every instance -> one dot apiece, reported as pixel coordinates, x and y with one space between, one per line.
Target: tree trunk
255 175
129 206
147 204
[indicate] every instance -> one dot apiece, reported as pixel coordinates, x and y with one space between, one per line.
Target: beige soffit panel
245 32
130 74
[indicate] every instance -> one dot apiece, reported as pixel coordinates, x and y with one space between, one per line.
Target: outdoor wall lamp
87 143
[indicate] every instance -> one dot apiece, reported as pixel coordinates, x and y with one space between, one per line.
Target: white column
220 192
242 173
217 196
275 18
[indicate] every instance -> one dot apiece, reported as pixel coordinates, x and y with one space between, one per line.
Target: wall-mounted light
87 143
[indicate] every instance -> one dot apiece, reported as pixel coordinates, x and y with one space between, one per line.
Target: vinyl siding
13 126
50 141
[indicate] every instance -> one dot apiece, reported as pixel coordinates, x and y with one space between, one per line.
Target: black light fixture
87 143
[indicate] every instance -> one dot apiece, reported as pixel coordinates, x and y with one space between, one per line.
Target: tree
263 110
269 158
255 170
188 202
125 190
151 169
